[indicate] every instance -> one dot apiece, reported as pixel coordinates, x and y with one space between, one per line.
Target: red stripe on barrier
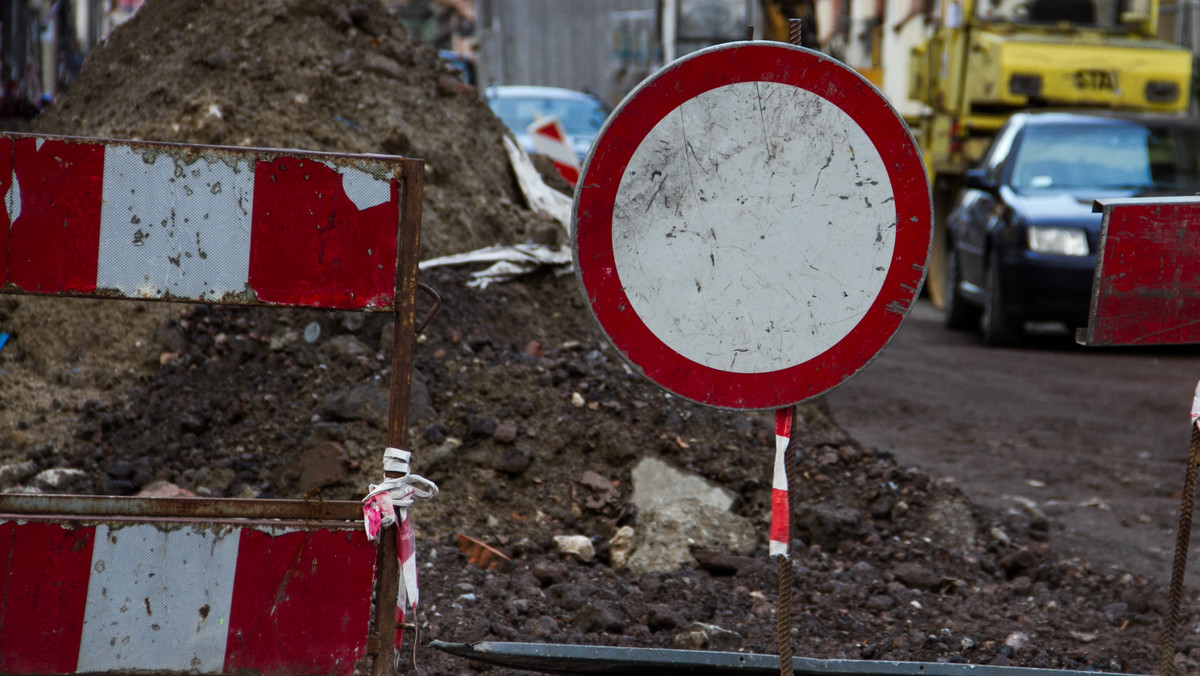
44 596
571 174
57 229
310 244
299 604
550 131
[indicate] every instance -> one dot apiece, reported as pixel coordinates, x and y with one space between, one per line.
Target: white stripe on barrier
158 598
173 228
363 189
12 198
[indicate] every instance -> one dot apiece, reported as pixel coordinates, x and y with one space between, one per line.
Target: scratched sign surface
228 225
752 226
1146 289
188 598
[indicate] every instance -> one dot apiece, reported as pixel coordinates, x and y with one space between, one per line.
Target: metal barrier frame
407 175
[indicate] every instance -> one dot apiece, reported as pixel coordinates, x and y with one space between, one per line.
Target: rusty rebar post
403 334
794 26
1179 570
783 613
783 616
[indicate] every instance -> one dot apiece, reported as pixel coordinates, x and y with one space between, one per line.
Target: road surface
1096 439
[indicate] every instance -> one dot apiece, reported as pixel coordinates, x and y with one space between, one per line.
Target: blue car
1022 235
581 115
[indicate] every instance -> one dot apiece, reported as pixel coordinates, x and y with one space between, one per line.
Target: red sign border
637 115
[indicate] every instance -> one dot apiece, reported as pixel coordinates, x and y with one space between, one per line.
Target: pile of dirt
528 421
311 75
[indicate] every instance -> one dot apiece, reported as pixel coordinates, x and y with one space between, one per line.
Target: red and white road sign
223 225
198 598
1146 289
550 139
752 225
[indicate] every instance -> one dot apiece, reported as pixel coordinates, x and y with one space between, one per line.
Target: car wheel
960 315
999 328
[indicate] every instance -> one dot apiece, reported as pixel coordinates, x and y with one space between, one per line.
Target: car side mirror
977 179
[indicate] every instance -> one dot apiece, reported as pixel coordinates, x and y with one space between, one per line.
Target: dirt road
1093 439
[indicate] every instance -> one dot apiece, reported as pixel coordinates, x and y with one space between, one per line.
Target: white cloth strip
396 460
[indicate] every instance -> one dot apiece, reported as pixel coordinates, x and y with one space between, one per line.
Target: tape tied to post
394 494
1196 405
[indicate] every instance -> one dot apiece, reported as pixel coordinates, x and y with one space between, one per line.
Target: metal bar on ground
584 660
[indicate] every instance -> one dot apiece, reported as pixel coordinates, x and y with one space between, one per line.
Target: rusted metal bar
1179 569
406 291
93 507
433 309
412 180
794 26
783 620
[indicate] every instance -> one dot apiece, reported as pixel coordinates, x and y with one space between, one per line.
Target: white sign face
752 225
762 245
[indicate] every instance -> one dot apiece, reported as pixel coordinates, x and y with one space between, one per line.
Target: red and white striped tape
550 139
780 509
229 225
1196 405
386 503
124 597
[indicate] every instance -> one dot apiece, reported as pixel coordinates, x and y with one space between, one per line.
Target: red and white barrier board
196 598
111 585
228 225
1146 290
550 139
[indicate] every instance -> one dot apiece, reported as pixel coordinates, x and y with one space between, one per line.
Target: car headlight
1058 241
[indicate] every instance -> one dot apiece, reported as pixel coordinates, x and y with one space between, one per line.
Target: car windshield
1086 158
579 117
1100 13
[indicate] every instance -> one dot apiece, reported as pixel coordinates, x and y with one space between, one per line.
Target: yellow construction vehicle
986 59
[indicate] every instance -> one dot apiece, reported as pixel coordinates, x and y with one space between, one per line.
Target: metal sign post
750 229
106 584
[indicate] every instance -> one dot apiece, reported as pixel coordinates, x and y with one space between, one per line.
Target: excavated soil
529 423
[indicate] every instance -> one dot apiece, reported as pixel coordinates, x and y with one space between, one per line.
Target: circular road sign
752 225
